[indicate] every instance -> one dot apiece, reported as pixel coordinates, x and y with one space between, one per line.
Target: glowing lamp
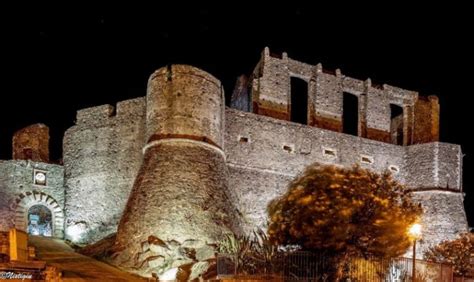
415 233
415 230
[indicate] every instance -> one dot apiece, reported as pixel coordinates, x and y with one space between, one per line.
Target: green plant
250 254
238 248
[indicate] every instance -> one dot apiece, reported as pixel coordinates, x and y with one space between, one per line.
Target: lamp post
415 233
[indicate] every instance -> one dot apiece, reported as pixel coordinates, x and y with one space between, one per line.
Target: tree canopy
337 210
456 252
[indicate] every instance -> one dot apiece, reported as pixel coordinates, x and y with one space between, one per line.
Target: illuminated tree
456 252
344 212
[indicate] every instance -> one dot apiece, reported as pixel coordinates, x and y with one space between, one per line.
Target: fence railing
305 266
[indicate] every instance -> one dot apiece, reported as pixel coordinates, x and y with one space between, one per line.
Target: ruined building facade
184 167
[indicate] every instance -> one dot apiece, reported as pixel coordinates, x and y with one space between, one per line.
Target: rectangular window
299 100
396 124
287 148
350 114
366 159
329 152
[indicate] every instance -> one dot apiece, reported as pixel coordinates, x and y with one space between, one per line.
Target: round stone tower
180 197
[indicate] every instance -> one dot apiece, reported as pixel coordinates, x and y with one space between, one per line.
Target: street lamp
415 233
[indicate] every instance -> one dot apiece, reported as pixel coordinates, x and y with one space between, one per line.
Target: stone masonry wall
426 123
434 165
444 217
180 194
18 192
189 111
265 154
264 151
102 155
31 143
270 88
271 96
287 148
210 162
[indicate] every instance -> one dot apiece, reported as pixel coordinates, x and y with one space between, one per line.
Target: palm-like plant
250 254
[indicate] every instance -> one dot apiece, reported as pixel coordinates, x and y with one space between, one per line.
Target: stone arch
26 200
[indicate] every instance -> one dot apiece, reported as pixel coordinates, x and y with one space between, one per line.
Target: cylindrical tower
180 194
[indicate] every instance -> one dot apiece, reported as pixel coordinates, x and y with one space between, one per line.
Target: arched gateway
39 214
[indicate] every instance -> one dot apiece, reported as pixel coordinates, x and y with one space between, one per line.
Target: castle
180 165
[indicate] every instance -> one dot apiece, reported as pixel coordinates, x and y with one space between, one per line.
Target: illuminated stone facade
19 192
201 169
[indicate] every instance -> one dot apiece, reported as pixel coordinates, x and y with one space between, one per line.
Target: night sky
56 60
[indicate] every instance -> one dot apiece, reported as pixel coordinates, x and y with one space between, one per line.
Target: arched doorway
34 203
40 221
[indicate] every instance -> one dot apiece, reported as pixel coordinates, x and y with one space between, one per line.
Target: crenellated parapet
107 115
384 112
102 154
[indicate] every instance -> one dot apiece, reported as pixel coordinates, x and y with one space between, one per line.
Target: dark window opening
299 101
244 140
287 148
350 114
329 152
367 160
40 221
396 124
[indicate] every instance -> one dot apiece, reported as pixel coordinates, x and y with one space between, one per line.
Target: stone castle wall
434 165
263 150
102 155
271 96
264 154
18 192
443 218
180 195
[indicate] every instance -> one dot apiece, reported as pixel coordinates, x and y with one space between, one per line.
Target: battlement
103 115
287 89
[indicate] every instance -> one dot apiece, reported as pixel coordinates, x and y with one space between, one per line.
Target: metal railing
305 266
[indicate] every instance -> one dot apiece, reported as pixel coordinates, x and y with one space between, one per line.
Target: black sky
56 60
